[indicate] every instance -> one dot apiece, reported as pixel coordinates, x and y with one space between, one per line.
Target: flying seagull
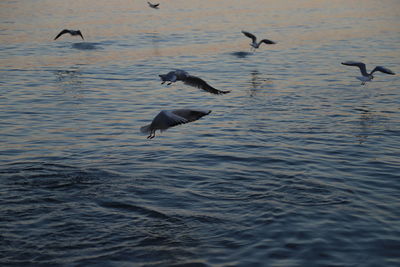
366 77
254 43
186 78
72 32
155 6
169 118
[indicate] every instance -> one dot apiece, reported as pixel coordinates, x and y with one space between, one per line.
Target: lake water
298 166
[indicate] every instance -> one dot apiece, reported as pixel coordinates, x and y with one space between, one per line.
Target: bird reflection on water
257 82
366 121
69 80
241 54
67 76
86 46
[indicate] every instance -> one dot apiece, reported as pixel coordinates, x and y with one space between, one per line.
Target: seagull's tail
145 129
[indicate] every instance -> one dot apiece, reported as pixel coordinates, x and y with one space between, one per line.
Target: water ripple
297 166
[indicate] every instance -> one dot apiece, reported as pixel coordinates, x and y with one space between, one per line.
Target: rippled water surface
298 166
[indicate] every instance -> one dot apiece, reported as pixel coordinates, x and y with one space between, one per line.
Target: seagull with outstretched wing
71 32
254 44
155 6
169 118
366 77
186 78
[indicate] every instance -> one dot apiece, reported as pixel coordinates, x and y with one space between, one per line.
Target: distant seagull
155 6
72 32
181 75
169 118
254 43
366 77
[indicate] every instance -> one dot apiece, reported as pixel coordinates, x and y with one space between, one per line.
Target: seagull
181 75
169 118
254 43
366 77
72 32
155 6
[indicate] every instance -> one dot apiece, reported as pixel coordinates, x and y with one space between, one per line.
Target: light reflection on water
297 166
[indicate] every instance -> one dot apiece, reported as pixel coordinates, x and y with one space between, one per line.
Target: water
297 166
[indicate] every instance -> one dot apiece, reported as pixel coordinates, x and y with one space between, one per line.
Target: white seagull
186 78
254 43
72 32
366 77
155 6
169 118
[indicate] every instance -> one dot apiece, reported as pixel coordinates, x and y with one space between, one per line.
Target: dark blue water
298 166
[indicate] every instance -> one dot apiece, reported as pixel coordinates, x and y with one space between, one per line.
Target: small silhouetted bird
153 5
72 32
254 43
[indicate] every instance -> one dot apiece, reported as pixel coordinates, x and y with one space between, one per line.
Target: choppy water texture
297 166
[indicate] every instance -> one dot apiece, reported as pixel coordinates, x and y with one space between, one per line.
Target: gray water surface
298 166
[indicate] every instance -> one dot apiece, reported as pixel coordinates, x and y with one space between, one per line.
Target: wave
50 175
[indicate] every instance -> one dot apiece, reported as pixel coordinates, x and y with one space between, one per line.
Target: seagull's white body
169 118
366 77
181 75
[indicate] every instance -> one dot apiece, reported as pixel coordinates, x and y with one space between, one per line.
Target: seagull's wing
250 35
153 5
266 41
191 114
169 118
199 83
61 33
163 120
383 69
361 65
166 119
180 74
80 34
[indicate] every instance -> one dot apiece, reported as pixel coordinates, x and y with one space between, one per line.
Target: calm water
298 166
